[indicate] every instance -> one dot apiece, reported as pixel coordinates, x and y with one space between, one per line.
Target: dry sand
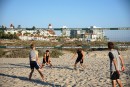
14 72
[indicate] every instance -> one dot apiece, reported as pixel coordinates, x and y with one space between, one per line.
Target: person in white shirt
34 62
116 65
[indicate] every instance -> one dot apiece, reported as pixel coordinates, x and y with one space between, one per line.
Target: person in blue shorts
34 62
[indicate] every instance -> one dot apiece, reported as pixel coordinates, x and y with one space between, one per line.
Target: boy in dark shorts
116 65
80 58
34 62
46 59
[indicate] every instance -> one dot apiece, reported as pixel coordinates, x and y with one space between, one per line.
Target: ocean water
113 35
118 35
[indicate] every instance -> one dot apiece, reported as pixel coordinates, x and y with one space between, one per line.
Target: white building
33 38
65 31
30 34
49 26
97 31
94 37
11 31
93 34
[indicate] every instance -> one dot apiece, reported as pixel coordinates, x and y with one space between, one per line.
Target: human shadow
35 81
127 72
63 67
19 65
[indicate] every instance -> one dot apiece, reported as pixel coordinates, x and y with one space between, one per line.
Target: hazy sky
71 13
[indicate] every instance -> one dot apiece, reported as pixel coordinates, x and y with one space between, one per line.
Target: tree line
8 36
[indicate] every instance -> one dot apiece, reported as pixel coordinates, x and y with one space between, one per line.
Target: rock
101 80
108 80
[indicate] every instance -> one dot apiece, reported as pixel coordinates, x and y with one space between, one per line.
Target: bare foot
44 80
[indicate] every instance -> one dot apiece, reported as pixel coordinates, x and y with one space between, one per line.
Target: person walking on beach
116 65
34 62
80 58
46 59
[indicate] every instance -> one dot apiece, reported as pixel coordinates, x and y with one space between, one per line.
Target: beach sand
14 72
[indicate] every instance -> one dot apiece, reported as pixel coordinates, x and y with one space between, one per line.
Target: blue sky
70 13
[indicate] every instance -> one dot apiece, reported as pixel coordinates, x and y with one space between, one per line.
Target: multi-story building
31 34
98 32
91 34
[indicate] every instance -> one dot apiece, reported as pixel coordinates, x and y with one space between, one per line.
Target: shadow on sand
20 65
62 67
26 79
127 71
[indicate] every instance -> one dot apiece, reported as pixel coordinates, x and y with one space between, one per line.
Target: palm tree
19 33
33 27
15 36
105 38
38 33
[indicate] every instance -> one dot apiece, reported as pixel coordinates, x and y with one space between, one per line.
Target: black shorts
45 61
33 64
114 75
79 60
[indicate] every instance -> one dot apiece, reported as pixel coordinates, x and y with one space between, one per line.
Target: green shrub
17 53
56 53
24 53
2 52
